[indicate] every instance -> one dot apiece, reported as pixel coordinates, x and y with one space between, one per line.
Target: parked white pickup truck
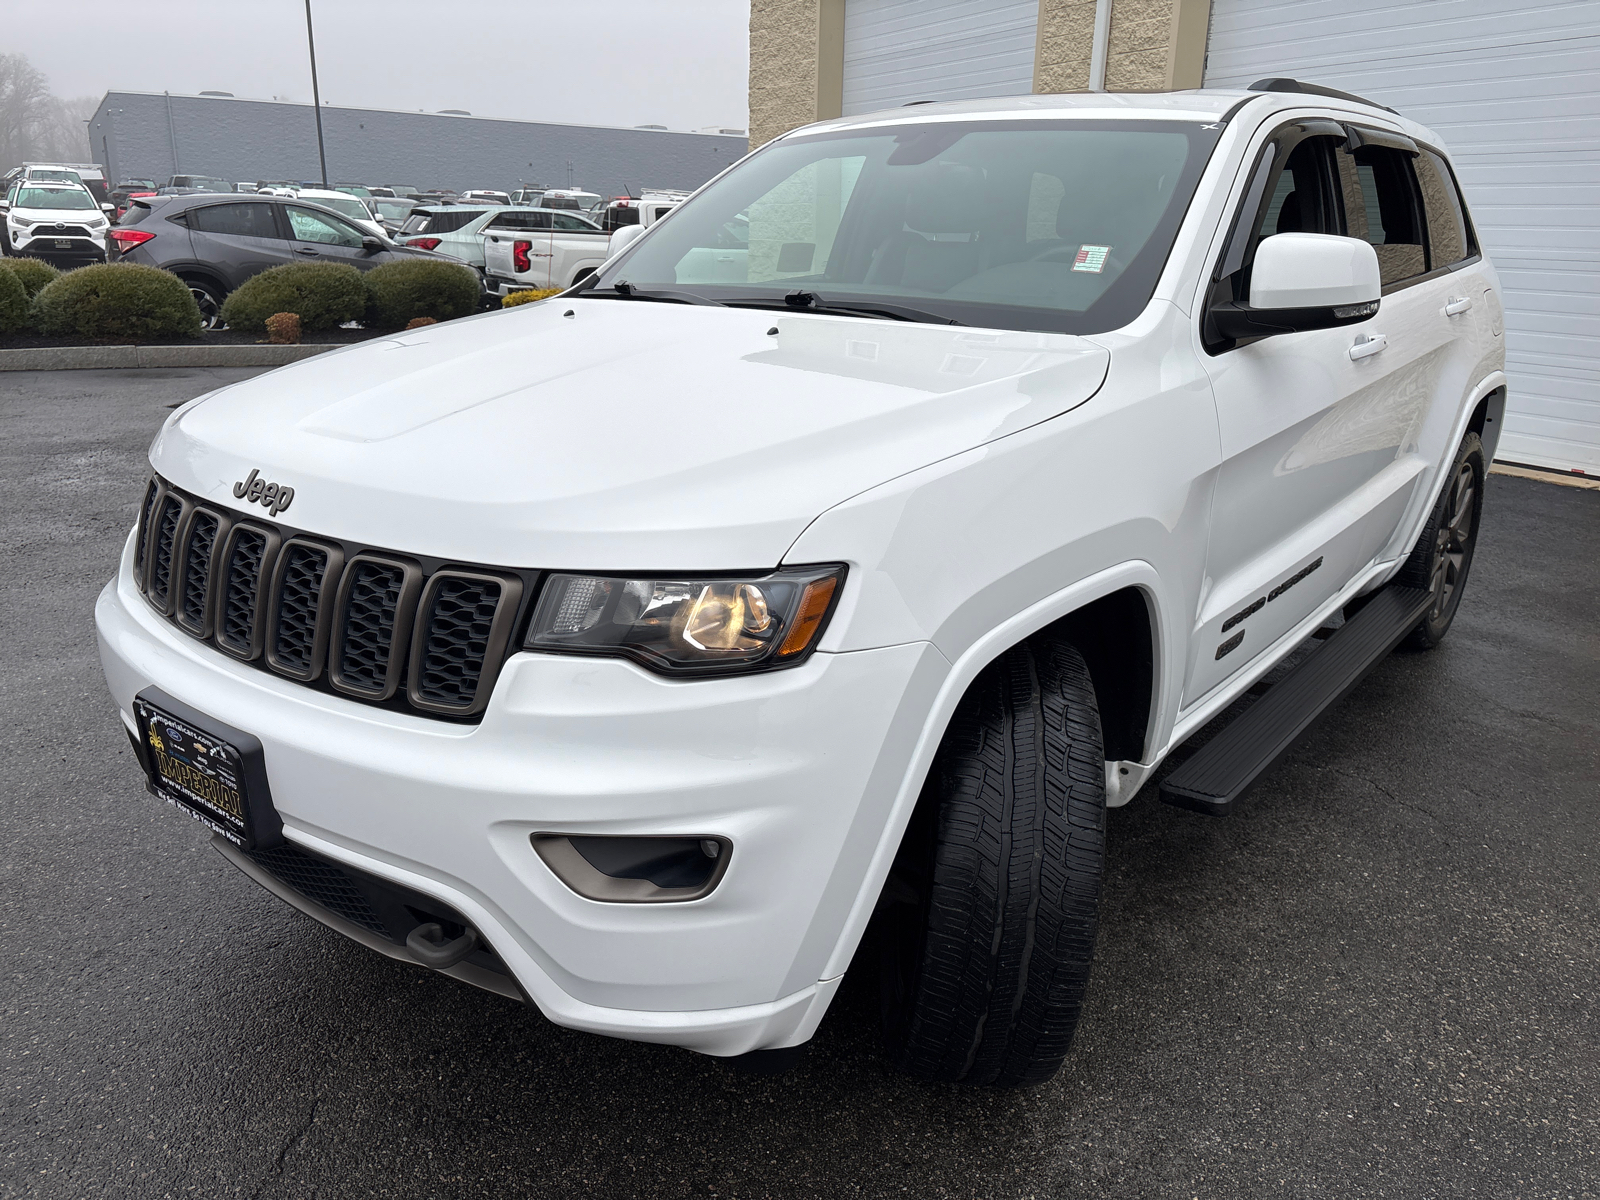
537 248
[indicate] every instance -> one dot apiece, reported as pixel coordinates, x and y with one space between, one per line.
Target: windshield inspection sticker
1091 258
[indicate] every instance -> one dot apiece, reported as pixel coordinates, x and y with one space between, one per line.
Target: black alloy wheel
209 300
1442 556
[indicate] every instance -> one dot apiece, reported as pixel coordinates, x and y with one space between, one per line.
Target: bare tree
25 102
35 125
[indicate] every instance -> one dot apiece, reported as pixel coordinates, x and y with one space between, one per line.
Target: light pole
316 96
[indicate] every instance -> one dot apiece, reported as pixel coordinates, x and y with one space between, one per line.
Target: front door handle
1367 346
1457 304
307 250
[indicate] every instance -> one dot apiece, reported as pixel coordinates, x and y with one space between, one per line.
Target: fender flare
1136 573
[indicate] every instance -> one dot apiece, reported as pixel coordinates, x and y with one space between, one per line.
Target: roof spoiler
1284 84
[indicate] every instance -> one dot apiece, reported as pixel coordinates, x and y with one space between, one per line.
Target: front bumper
76 252
791 767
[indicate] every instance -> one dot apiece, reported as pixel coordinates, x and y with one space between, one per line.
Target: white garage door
1514 90
896 51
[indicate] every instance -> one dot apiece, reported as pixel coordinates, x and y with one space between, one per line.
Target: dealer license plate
203 774
63 243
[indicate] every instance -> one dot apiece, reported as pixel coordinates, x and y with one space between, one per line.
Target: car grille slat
456 640
241 576
374 616
375 627
202 540
299 604
164 550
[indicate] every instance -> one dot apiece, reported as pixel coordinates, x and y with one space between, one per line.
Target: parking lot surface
1377 979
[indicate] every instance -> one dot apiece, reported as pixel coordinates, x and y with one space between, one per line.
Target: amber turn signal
813 607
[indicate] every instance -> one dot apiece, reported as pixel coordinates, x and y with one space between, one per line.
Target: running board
1229 765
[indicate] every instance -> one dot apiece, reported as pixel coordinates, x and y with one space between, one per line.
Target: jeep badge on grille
274 497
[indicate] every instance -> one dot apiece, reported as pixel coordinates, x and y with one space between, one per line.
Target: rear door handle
1457 304
1366 347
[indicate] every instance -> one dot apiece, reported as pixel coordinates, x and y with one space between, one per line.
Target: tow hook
428 947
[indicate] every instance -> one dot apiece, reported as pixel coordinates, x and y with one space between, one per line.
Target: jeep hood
624 436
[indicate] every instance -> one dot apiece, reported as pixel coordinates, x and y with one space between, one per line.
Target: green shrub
322 295
399 292
117 300
32 273
13 304
528 296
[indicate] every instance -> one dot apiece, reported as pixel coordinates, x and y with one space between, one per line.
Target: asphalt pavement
1378 978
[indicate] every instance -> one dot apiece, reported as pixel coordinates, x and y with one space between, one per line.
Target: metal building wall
151 135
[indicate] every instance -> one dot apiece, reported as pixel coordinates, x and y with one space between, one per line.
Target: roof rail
1284 84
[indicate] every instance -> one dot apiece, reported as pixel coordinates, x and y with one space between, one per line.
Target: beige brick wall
1138 50
1154 45
1065 45
783 66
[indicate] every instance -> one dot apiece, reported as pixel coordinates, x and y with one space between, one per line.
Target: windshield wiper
811 302
623 290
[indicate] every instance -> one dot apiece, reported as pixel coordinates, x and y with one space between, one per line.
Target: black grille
322 882
328 615
142 546
164 549
197 570
236 623
300 596
64 231
456 635
369 619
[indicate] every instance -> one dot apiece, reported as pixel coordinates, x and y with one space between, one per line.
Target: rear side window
449 222
1449 240
1381 207
235 220
525 220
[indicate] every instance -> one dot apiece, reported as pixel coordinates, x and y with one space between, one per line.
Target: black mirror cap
1238 322
370 243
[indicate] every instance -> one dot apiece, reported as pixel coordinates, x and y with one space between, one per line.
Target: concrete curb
84 358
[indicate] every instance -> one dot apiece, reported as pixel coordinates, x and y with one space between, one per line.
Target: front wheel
1443 554
986 929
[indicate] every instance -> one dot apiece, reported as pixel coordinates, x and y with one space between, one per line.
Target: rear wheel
208 297
1443 554
987 926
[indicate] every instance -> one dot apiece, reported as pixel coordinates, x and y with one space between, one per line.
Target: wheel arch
1104 605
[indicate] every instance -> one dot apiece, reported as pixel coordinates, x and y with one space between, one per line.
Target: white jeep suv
812 578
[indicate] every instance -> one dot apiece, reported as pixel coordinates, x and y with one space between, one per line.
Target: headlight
22 222
680 626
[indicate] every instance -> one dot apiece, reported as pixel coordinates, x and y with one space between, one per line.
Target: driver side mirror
1302 281
623 238
371 244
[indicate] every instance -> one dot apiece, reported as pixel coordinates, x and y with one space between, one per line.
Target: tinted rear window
236 220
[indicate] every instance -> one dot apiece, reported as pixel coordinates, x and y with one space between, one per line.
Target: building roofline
410 113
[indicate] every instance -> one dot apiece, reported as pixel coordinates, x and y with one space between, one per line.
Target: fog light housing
636 870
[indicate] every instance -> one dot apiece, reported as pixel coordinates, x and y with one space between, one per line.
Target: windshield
1046 225
54 198
61 175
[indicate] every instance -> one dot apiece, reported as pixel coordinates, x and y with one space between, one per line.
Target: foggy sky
679 63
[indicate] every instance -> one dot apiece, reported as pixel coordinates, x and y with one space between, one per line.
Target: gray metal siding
1514 90
897 51
254 139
